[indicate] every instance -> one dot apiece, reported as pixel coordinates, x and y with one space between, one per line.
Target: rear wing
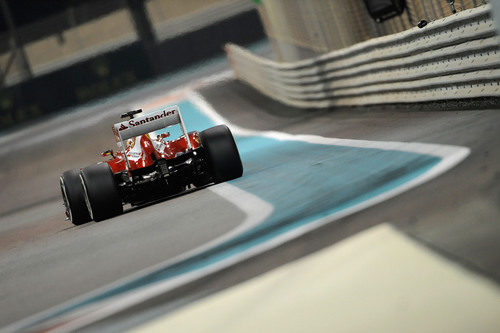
149 122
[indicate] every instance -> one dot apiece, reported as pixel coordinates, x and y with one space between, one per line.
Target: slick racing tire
101 192
74 197
222 154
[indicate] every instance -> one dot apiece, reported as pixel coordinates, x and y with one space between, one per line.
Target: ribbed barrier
452 58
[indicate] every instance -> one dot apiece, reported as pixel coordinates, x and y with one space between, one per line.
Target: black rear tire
101 192
222 154
74 197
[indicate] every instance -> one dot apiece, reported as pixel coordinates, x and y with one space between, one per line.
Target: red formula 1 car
148 167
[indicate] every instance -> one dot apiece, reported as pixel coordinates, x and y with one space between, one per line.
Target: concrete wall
303 29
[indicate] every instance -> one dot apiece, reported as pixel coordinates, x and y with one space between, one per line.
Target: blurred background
60 53
303 29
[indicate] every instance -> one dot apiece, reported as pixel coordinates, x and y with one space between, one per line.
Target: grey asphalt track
457 213
46 261
75 260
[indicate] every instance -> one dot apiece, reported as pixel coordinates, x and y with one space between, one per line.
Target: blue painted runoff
302 181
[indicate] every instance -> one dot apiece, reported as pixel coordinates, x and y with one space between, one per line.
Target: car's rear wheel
101 192
222 153
74 197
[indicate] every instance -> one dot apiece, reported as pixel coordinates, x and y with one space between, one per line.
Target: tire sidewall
222 153
101 192
74 197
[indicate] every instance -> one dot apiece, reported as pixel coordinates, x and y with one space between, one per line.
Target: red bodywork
141 157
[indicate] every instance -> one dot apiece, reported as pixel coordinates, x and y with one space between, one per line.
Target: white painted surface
376 281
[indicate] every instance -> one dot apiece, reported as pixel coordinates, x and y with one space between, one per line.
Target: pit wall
456 57
303 29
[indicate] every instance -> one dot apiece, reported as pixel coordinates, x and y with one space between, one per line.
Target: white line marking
255 209
438 150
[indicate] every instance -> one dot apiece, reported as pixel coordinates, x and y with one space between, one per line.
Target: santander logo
148 118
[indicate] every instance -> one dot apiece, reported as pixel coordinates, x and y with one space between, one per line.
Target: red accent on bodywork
171 148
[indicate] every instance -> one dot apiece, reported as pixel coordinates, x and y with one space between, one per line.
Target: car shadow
163 199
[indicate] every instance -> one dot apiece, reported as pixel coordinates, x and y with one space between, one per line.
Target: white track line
442 151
